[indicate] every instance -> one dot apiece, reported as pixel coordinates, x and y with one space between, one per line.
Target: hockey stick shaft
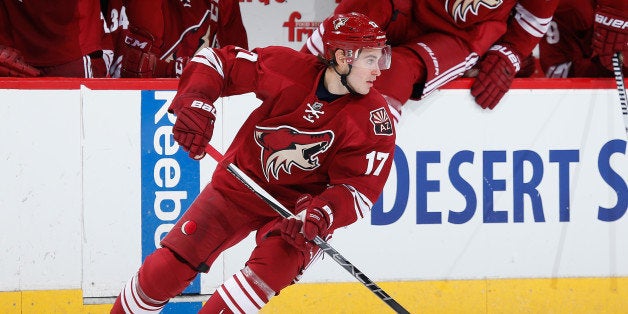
322 244
621 88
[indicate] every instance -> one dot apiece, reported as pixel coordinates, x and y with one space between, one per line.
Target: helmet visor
372 58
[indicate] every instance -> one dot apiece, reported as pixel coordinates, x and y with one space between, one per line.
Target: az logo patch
381 122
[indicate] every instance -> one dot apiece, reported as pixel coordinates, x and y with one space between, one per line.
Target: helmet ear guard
354 33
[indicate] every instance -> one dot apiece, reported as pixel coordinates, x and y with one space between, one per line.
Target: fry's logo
458 9
297 30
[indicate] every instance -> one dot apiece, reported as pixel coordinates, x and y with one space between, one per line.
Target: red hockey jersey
294 142
447 35
566 50
478 23
50 33
179 25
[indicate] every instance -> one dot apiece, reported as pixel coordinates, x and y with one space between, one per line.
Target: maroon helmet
352 32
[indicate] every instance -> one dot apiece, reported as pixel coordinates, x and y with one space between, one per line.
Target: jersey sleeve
216 72
149 16
529 23
619 6
231 30
5 36
566 50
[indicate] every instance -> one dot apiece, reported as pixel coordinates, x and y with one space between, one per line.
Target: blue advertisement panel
524 184
170 181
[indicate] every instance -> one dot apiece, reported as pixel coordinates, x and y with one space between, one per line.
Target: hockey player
53 38
156 38
321 142
583 37
436 41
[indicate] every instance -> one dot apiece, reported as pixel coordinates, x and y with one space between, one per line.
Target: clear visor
372 58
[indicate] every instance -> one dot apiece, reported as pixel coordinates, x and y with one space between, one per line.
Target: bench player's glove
610 34
195 124
314 219
497 71
139 58
12 64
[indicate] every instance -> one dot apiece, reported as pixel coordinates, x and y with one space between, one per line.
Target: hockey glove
195 124
314 219
291 232
497 71
610 34
137 58
172 68
12 64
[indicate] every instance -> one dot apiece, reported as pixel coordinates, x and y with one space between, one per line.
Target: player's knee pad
277 262
164 275
244 292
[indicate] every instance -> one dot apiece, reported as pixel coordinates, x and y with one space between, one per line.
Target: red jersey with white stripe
178 26
447 35
50 33
566 49
295 142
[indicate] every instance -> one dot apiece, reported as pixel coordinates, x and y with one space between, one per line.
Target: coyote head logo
458 9
339 22
285 146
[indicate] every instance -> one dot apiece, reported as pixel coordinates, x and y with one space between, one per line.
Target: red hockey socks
133 300
161 277
244 292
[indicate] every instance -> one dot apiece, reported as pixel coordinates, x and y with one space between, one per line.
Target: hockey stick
621 89
284 212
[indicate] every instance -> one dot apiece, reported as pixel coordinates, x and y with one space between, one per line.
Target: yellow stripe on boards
561 295
11 302
44 301
97 309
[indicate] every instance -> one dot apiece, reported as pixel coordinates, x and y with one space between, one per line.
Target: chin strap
343 80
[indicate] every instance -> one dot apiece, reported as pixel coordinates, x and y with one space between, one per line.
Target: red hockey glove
610 34
137 59
316 214
291 232
12 64
314 219
171 68
497 70
195 124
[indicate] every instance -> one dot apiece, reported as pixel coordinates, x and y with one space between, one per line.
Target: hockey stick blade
322 244
621 88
